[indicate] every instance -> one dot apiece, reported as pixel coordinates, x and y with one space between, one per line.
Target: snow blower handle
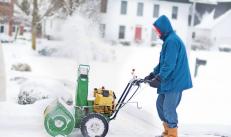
137 81
134 82
143 81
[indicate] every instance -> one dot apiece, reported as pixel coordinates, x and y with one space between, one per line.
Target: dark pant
166 105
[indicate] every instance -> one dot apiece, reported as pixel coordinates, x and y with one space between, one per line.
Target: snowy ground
203 112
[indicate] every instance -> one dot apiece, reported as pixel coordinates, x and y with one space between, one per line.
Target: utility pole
193 14
191 25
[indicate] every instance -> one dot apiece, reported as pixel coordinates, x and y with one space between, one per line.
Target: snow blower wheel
94 125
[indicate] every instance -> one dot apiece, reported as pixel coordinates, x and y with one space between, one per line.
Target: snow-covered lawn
204 110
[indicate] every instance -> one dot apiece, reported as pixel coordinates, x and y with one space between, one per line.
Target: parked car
225 48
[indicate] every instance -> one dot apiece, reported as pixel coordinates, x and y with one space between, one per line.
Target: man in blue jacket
171 76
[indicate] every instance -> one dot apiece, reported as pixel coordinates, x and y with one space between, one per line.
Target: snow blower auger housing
91 116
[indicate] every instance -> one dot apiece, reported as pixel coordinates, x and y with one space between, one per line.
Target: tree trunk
34 23
11 11
33 37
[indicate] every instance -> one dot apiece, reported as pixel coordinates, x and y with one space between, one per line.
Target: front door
138 34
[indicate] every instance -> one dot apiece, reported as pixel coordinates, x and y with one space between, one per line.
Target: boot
172 132
165 133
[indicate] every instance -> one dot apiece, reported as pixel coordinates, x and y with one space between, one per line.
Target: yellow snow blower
91 116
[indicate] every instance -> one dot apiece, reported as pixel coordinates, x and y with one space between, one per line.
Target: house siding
6 16
113 19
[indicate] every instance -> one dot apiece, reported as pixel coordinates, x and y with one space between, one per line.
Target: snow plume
90 9
80 39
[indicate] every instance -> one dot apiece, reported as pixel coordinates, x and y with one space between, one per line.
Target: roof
205 1
208 21
210 1
180 1
223 0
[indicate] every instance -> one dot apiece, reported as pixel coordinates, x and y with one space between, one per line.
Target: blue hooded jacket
173 68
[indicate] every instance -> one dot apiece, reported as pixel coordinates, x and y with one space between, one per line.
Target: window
156 11
123 10
140 8
102 29
1 29
121 32
103 8
174 12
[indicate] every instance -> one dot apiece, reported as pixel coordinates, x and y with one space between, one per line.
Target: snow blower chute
91 116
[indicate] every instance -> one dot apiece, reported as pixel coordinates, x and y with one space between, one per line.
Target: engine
104 102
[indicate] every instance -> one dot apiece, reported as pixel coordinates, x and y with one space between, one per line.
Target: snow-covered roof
204 1
208 21
209 1
223 0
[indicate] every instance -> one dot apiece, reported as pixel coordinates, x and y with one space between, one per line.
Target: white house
131 20
215 31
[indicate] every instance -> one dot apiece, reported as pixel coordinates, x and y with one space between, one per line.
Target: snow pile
79 39
48 78
33 90
47 51
29 96
21 67
54 77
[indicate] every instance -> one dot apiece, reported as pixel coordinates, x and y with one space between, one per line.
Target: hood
164 25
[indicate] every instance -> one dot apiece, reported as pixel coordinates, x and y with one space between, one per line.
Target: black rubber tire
90 117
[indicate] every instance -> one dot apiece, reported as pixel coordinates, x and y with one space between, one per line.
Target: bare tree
36 11
89 8
34 23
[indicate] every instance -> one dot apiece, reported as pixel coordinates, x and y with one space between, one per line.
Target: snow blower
91 116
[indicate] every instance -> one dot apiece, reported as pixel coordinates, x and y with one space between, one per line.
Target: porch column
2 77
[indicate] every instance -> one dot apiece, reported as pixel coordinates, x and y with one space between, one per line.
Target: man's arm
156 70
170 59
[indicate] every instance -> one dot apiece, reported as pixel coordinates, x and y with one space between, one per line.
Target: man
171 76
